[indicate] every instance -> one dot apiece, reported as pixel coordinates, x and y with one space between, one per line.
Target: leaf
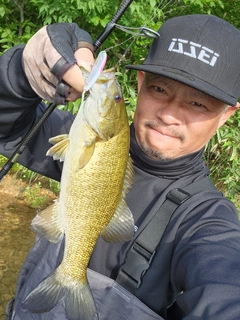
2 11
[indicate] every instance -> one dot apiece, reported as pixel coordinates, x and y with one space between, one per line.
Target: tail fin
79 303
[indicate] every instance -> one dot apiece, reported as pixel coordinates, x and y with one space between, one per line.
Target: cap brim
187 79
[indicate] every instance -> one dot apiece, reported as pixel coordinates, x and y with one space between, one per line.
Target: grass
34 185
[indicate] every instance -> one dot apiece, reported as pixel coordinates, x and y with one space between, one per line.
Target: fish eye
117 97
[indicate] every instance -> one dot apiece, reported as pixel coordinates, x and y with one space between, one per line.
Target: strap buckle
178 196
137 262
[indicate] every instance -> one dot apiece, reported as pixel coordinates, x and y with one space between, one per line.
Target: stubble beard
155 154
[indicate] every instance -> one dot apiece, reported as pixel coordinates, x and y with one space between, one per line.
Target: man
189 85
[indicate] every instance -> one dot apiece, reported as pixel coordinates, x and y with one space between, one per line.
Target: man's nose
171 112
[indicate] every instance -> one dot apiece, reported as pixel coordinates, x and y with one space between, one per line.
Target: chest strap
140 255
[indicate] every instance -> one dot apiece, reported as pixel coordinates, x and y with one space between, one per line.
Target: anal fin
48 224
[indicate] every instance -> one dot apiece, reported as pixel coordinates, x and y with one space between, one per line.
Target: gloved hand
51 59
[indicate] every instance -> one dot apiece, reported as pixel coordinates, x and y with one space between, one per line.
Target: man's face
172 119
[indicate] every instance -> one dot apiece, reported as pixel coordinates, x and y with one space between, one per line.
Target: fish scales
96 175
96 210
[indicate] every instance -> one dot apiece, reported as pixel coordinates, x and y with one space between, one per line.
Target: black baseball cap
199 50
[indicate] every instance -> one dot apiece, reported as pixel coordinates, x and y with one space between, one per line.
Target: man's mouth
161 131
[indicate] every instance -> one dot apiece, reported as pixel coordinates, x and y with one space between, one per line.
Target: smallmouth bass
97 174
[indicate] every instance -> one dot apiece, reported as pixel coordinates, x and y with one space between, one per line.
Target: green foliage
20 19
228 11
18 22
33 179
33 196
30 177
222 156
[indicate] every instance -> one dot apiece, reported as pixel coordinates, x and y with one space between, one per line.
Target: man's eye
198 104
158 89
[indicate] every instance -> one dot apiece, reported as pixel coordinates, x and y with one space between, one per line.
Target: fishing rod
97 43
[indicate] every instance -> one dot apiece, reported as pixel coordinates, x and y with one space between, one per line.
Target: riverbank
16 236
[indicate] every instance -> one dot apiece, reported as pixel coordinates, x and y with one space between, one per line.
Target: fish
97 174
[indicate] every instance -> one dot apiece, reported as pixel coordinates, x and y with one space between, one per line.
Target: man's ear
140 77
229 111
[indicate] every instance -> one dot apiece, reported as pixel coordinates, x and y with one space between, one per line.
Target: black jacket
198 261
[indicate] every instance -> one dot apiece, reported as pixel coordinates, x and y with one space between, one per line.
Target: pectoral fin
86 153
48 224
58 151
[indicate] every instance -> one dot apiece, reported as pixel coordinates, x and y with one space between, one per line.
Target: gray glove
49 54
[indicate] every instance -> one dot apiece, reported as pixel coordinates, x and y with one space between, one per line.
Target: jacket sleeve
206 263
20 108
17 99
